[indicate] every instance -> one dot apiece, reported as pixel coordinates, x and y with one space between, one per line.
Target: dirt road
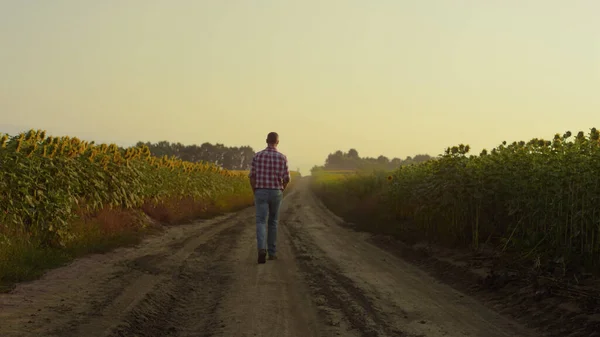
202 279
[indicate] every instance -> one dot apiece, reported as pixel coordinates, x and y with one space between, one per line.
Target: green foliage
47 182
49 186
537 198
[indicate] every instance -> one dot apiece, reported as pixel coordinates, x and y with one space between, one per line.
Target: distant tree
352 153
421 158
396 162
383 160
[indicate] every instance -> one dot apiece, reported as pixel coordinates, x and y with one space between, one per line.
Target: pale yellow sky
388 77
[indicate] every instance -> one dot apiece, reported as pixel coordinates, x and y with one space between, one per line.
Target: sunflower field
60 196
538 200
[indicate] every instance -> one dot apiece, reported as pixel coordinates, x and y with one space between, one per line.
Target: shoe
272 257
262 254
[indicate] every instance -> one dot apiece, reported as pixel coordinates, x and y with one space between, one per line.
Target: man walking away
269 176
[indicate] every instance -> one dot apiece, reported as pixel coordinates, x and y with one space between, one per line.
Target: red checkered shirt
270 169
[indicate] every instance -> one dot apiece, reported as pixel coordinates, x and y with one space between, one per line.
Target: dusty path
203 280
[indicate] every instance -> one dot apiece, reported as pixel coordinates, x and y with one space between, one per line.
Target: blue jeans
267 204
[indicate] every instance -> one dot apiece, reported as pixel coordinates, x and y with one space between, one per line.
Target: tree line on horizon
229 158
351 160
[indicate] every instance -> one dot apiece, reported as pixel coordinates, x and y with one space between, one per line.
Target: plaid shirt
270 169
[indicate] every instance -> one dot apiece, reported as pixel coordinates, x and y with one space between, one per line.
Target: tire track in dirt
185 303
103 294
271 299
337 295
375 292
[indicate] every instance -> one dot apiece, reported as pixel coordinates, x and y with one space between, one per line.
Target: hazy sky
390 77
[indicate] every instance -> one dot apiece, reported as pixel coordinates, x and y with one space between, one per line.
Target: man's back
270 169
269 176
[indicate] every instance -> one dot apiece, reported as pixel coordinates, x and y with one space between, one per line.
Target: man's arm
252 174
286 173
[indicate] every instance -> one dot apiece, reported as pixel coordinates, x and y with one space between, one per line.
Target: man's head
273 139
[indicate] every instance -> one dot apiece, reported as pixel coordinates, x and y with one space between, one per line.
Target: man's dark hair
272 137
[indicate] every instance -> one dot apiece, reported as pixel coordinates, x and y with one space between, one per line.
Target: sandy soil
202 279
